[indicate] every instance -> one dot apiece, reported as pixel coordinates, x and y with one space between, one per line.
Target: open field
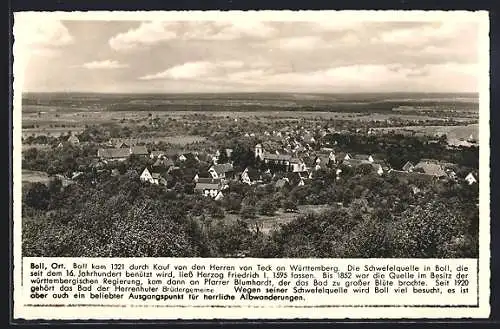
30 176
36 146
268 224
244 101
455 134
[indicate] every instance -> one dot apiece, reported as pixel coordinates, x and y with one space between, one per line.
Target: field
267 223
30 176
455 134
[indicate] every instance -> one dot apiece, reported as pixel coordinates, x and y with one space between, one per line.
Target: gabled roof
360 156
207 186
157 153
113 153
252 173
280 157
163 163
139 150
73 139
412 174
355 162
431 169
408 165
473 174
222 168
207 180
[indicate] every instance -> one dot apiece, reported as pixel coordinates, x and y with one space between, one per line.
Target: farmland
31 176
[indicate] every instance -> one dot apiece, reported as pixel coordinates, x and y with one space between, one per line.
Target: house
163 163
408 166
152 178
224 170
321 162
182 158
73 140
139 150
121 154
219 196
347 156
470 178
157 154
378 168
122 145
113 154
280 183
430 168
411 175
210 188
351 162
362 157
295 178
250 176
97 163
65 181
298 165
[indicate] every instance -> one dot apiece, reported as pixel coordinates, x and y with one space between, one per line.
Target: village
281 157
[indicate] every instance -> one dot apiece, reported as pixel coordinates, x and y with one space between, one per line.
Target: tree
289 205
267 208
232 202
37 196
223 158
248 212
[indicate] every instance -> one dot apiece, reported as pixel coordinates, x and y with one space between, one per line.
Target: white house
73 140
249 176
470 179
152 178
211 189
156 154
298 165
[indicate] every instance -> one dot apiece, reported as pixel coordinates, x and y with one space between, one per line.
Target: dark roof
139 150
163 163
355 162
223 168
406 174
207 186
206 180
157 153
252 173
280 157
361 156
112 153
431 169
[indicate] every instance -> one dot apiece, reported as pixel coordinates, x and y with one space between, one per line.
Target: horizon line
252 92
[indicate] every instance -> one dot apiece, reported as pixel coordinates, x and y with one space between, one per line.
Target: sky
247 54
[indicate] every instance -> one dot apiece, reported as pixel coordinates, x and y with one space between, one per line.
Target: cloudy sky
248 55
